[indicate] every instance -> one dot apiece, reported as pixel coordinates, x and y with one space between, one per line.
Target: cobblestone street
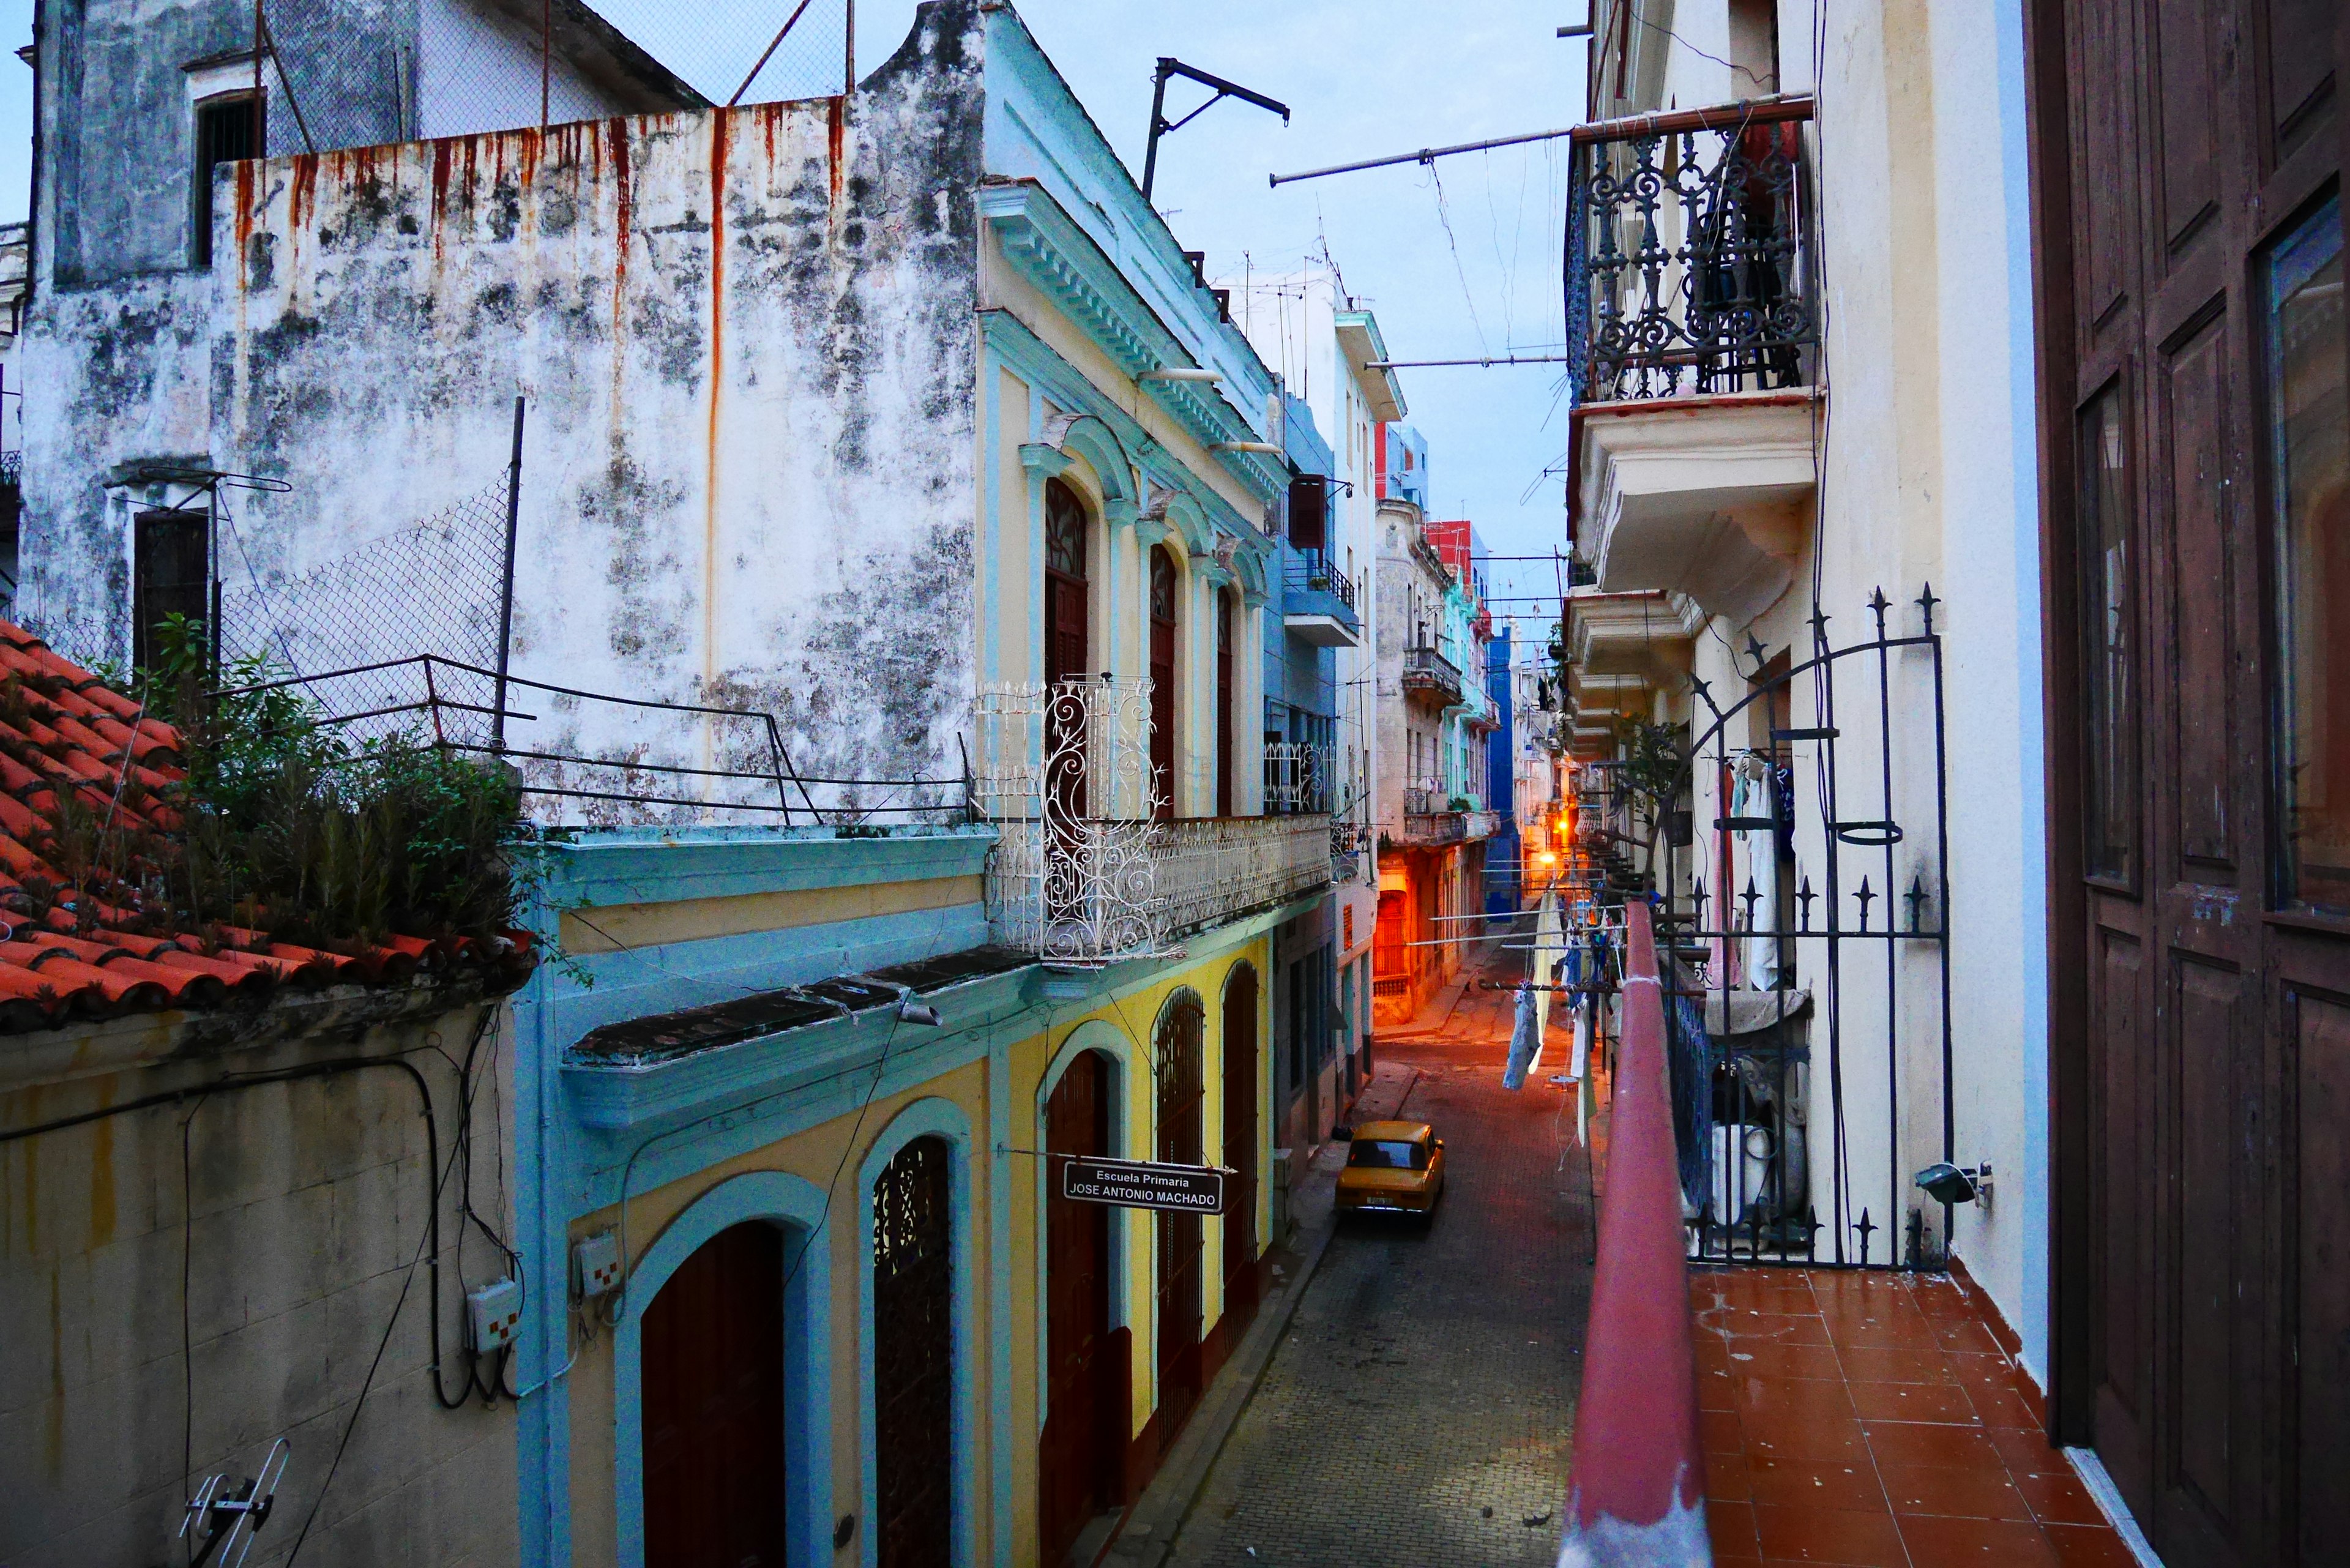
1418 1409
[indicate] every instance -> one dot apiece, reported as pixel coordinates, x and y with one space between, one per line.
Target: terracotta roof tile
70 953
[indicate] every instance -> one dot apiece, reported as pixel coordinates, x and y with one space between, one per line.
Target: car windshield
1388 1154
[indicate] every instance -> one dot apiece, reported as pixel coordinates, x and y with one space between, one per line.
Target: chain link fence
432 588
358 73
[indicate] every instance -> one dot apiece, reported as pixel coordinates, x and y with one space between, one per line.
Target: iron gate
1809 986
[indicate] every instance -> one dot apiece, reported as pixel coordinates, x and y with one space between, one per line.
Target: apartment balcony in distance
1431 677
1317 602
1695 424
1435 818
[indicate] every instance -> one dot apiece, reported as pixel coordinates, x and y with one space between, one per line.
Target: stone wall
745 338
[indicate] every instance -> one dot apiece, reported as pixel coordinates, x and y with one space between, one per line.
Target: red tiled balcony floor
1873 1421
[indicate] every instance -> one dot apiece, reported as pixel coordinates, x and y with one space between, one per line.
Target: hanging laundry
1525 1042
1759 798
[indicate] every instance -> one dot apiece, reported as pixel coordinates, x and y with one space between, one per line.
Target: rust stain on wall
243 209
719 125
302 200
836 132
445 155
102 1183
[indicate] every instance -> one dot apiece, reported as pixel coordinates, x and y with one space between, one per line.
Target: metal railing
1690 253
1297 777
1311 572
1639 1472
1426 669
743 772
1086 871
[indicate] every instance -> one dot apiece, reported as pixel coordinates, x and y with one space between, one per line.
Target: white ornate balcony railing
1085 873
1215 869
1297 776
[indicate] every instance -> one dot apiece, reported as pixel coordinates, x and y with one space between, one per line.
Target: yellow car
1392 1167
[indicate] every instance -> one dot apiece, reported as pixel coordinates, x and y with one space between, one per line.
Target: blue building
1504 851
1312 1078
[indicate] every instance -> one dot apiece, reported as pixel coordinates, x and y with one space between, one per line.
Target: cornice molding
1063 263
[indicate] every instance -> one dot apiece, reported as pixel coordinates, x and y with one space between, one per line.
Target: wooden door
1176 1054
1240 1153
1068 656
712 1358
1080 1461
1163 591
913 1357
2194 356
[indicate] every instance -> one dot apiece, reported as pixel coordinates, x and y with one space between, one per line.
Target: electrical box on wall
595 1265
493 1314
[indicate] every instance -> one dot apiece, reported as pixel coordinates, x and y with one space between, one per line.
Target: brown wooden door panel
2105 172
2318 1025
1240 1152
2204 673
1081 1456
2123 1216
1176 1050
2185 90
2203 1331
2204 1285
712 1355
2300 66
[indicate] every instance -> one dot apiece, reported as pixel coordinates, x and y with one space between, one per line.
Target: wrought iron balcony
1690 255
1426 671
1298 778
1085 872
1317 601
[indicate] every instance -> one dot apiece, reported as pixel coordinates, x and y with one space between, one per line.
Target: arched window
1163 598
1066 655
913 1356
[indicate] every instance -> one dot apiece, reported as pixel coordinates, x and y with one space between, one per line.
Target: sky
1457 260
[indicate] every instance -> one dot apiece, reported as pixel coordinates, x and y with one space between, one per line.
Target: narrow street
1418 1409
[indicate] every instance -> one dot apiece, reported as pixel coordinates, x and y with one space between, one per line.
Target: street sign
1139 1184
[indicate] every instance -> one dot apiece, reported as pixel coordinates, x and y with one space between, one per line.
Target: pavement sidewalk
1146 1533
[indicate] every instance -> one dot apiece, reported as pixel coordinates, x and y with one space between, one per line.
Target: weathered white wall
1929 476
745 339
277 1255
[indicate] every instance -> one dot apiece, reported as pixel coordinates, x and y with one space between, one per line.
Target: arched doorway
1164 589
712 1351
913 1357
1176 1060
1240 1152
1081 1459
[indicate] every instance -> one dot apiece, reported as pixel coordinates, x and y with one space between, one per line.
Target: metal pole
506 586
545 98
848 50
1157 124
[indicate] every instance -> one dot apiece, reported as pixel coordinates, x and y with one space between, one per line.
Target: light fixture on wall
1947 1183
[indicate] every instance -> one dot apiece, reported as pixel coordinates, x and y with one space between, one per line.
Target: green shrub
289 827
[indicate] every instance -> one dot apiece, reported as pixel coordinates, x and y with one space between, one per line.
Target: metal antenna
226 1521
1168 65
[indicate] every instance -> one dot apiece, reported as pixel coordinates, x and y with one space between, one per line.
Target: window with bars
228 129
